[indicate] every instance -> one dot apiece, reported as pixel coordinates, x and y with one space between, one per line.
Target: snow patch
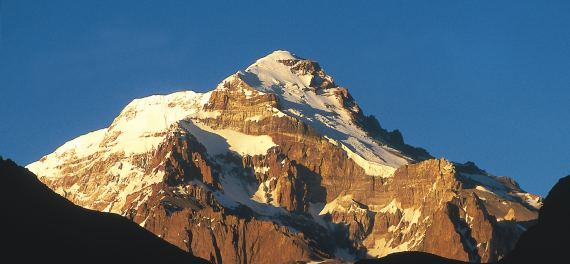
261 170
254 118
532 200
219 141
485 180
264 193
81 146
370 168
238 191
391 208
483 189
342 204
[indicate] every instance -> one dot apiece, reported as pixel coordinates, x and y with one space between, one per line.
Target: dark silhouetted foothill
39 225
547 241
411 258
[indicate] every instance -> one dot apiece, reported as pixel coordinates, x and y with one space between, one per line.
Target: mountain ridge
280 147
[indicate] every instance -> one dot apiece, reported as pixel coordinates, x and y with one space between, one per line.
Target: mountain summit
279 155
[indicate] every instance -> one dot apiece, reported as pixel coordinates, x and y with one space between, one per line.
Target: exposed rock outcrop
541 243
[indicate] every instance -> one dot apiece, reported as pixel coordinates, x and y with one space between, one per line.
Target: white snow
138 129
370 168
410 216
483 189
141 126
238 191
532 200
254 118
265 194
261 170
382 247
342 204
84 145
141 121
485 180
322 110
336 206
129 179
490 185
391 208
295 112
219 141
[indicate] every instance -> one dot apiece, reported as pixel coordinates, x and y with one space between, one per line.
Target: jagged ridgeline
278 156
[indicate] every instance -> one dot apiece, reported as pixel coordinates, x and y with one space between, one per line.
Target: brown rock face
192 220
242 173
432 211
441 234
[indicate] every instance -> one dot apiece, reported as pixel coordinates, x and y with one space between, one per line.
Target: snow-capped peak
280 55
278 68
306 92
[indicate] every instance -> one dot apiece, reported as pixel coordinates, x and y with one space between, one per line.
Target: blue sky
482 81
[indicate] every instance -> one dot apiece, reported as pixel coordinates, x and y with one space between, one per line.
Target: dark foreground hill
411 258
549 240
39 225
545 242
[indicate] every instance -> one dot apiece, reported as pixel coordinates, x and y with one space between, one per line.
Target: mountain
545 242
42 226
279 155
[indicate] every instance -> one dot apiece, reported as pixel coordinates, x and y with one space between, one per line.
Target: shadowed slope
41 225
547 241
411 258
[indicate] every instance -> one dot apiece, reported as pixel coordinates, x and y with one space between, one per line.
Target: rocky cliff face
280 156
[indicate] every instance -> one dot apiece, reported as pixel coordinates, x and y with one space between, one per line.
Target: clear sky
482 81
